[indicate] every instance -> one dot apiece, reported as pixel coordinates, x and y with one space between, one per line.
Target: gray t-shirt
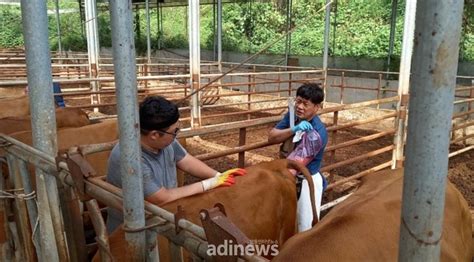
159 170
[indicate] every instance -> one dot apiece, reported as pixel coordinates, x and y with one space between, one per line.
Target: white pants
304 210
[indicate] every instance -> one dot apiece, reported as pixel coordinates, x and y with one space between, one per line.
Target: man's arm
195 167
164 195
279 135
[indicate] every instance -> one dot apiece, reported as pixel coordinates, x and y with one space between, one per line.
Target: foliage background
359 28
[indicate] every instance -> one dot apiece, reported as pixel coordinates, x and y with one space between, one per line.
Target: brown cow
11 91
65 117
366 226
105 131
14 106
102 132
262 204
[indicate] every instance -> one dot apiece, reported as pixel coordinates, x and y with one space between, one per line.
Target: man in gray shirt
161 155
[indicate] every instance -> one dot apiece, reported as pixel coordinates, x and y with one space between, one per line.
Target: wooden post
334 136
279 82
145 68
249 96
342 89
242 138
378 89
289 84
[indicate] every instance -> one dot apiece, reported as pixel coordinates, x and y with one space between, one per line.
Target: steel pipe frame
463 150
327 26
160 77
130 151
335 202
194 61
148 40
219 37
358 158
94 186
359 140
403 82
391 42
360 122
464 125
191 231
93 46
5 248
289 4
58 27
363 88
433 80
457 140
100 229
244 103
25 246
35 30
358 175
31 204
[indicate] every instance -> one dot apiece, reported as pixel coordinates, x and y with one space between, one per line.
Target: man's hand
222 179
302 126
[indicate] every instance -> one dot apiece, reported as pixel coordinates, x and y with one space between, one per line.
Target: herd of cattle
262 204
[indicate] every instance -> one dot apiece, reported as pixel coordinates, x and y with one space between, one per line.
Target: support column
92 47
148 40
214 30
40 82
326 44
219 41
58 27
433 80
403 82
128 120
194 62
391 41
289 5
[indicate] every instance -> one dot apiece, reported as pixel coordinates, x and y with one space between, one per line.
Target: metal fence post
433 80
403 82
5 248
31 205
38 61
127 107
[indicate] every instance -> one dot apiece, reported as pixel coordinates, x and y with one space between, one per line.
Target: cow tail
303 170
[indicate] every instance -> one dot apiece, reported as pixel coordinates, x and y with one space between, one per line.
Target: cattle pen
363 110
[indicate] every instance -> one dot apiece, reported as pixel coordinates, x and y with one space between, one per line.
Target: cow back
366 226
71 117
255 203
14 106
65 117
102 132
261 204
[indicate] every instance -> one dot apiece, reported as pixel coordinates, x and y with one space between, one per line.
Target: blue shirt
315 165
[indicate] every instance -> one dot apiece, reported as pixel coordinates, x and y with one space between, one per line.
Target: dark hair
157 113
312 92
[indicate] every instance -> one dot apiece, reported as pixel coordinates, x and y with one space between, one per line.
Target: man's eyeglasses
304 102
174 134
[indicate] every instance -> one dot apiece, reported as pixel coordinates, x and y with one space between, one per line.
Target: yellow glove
222 179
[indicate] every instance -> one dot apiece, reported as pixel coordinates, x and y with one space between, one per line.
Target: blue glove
302 126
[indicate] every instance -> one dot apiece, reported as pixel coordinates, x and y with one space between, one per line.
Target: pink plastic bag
307 149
